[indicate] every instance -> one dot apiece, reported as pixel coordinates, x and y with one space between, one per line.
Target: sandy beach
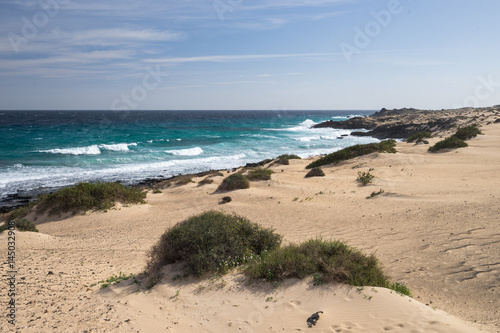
435 227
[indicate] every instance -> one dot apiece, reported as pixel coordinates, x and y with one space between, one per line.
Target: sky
248 54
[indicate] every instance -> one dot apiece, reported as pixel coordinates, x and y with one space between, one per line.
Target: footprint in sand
293 304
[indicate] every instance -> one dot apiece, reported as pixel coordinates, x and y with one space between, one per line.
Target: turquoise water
49 149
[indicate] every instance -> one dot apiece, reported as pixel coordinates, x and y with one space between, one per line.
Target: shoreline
377 125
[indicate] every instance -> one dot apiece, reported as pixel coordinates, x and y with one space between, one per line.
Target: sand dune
435 227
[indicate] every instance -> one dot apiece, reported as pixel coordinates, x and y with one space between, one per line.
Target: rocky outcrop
403 123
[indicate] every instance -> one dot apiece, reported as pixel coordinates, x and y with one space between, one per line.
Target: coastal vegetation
88 196
333 261
315 172
285 158
468 132
211 242
235 181
259 174
82 197
365 178
386 146
419 137
21 225
215 242
451 142
457 140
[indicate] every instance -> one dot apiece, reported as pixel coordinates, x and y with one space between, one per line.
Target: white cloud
243 57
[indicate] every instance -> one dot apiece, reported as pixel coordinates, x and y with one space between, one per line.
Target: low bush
330 261
419 137
451 142
88 196
233 182
205 181
348 153
285 158
315 172
259 174
468 132
365 178
21 225
226 199
211 242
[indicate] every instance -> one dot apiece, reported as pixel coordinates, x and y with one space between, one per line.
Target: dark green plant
211 242
226 199
365 178
259 174
233 182
419 137
156 191
183 180
374 194
468 132
205 181
88 196
285 158
401 288
315 172
334 261
387 146
114 279
21 225
451 142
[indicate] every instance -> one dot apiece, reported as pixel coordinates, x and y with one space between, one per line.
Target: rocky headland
403 123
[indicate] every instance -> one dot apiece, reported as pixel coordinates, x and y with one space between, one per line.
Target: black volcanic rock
400 123
353 123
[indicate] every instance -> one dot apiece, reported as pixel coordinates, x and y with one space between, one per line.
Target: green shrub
285 158
211 242
315 172
21 225
20 212
156 191
451 142
88 196
419 137
205 181
354 151
468 132
233 182
374 194
365 178
183 180
332 260
227 199
259 174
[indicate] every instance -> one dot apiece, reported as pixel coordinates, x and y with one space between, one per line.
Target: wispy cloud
242 57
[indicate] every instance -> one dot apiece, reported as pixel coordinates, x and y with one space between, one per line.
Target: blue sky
248 54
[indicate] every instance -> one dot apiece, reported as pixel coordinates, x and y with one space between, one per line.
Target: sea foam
186 152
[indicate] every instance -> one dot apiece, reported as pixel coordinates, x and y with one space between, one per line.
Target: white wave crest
115 147
305 125
90 150
186 152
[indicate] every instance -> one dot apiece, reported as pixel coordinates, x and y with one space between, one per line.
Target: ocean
44 150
